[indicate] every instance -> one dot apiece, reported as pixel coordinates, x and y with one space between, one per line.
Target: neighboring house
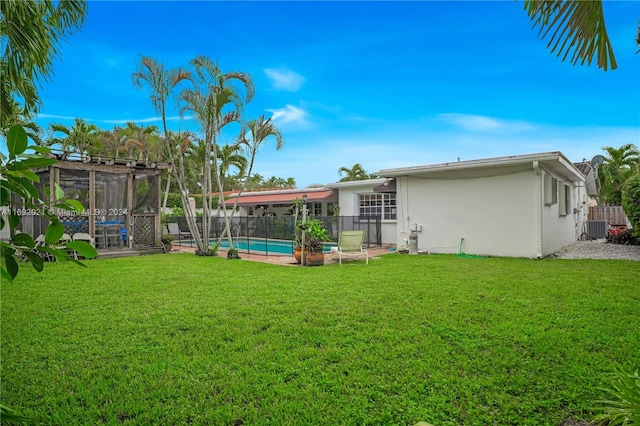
517 206
588 172
320 201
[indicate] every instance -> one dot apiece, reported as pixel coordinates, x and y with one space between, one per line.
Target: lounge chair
350 245
174 230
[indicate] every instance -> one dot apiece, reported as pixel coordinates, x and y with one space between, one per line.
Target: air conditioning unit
597 228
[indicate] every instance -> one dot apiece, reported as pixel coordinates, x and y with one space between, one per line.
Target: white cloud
116 121
284 79
146 120
55 117
289 114
483 123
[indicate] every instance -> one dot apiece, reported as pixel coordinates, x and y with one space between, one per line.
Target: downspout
540 197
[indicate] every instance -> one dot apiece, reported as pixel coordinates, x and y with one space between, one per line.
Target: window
315 209
567 199
377 204
550 190
564 199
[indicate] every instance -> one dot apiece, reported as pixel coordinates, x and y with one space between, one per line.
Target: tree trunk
166 192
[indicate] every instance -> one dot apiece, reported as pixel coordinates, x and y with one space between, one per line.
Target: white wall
349 206
495 215
559 231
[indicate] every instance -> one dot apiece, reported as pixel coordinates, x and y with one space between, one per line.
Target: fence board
614 215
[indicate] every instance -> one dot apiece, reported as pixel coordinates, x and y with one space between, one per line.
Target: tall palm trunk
184 194
166 191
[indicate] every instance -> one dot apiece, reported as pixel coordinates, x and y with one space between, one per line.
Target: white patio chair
82 236
350 245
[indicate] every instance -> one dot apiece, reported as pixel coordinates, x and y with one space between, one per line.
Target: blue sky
383 84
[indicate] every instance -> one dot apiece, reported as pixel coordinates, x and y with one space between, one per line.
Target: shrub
177 211
623 407
631 201
623 237
174 200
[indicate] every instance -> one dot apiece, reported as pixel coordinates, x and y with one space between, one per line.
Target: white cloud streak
284 79
147 120
289 115
481 123
116 121
55 117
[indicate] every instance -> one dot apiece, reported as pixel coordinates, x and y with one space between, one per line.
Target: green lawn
177 339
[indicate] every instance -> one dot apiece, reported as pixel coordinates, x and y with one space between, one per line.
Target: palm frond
573 27
245 79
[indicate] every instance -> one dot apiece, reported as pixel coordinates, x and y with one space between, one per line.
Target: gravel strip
598 249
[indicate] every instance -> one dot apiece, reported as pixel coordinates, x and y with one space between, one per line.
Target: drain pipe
540 196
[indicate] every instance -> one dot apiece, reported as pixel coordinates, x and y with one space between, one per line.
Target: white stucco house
517 206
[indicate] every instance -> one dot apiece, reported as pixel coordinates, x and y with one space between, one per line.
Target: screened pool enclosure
121 201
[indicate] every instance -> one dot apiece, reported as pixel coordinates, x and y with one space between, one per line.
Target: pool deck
277 259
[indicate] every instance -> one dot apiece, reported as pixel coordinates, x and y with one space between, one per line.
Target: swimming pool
263 245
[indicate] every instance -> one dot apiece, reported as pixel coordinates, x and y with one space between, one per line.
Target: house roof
354 183
584 167
322 194
389 185
552 161
590 179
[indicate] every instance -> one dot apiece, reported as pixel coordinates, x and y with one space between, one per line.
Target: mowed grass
178 339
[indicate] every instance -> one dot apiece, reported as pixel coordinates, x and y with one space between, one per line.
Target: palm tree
230 156
207 100
253 181
162 82
110 143
619 164
573 26
357 172
145 139
290 182
32 32
258 130
194 162
81 137
18 115
252 137
275 182
183 144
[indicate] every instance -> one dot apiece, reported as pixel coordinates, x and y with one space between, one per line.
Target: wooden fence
614 215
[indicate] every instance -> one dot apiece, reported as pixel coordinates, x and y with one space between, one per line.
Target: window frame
377 204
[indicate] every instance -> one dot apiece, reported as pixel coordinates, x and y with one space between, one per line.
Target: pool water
264 245
259 244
